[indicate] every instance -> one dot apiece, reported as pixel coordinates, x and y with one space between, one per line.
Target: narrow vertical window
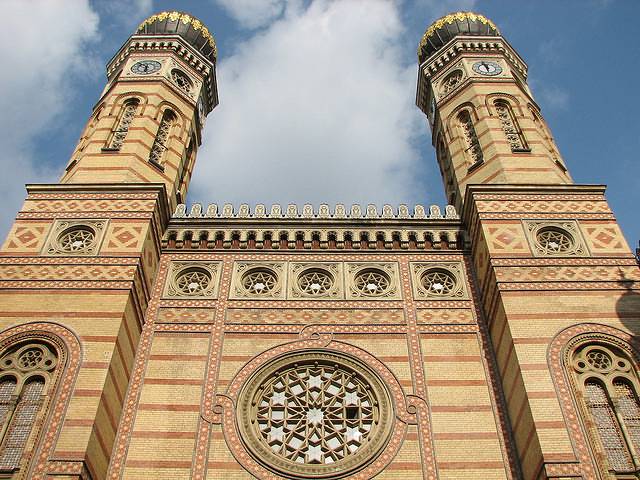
27 371
124 122
472 145
160 143
609 386
510 126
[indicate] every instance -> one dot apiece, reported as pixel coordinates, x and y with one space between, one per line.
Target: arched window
472 145
26 376
124 122
608 384
510 126
160 143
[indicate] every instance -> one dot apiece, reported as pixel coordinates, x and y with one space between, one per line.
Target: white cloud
38 62
317 107
256 13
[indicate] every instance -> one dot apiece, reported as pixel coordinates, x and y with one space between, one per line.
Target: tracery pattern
372 282
76 239
472 143
259 281
438 282
554 241
181 80
315 282
509 126
193 281
24 372
316 413
451 81
120 133
160 143
609 385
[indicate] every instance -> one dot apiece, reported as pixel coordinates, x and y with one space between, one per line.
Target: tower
557 281
81 258
486 126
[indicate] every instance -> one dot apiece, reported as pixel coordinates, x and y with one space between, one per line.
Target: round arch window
314 414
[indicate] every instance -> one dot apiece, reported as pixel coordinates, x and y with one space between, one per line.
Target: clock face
485 67
146 67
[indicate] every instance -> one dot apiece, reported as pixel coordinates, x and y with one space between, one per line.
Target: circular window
314 414
372 282
76 239
553 240
193 281
30 358
259 281
599 359
315 282
439 282
181 80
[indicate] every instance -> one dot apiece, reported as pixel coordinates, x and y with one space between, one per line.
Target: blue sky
317 96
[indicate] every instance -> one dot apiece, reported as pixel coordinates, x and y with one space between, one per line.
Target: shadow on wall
628 307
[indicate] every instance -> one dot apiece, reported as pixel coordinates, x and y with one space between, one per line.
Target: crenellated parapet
310 229
308 212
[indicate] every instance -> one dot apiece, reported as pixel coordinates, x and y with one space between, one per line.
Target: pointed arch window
160 143
510 126
26 373
608 383
129 110
472 144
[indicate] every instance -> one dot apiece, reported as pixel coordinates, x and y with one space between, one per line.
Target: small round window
315 282
372 282
554 241
439 282
193 281
259 281
77 239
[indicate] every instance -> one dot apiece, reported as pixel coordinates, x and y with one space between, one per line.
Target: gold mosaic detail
184 18
453 17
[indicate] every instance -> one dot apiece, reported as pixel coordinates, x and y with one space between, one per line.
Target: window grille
161 141
472 144
510 126
122 128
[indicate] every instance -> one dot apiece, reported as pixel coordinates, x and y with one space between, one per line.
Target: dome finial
449 26
183 24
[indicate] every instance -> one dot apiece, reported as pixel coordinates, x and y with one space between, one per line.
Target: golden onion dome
444 29
183 24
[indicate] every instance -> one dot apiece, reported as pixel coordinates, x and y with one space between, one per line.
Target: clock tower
486 126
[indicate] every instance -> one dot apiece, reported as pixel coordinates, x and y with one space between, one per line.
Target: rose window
193 281
372 282
181 80
314 414
598 359
554 241
259 281
438 282
76 240
315 282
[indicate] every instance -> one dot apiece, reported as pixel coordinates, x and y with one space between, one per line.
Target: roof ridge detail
323 212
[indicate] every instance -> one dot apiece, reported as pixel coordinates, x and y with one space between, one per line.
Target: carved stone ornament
373 280
314 414
75 237
192 280
555 239
321 281
438 281
258 280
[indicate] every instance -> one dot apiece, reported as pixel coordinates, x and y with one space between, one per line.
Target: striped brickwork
98 300
194 355
530 299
